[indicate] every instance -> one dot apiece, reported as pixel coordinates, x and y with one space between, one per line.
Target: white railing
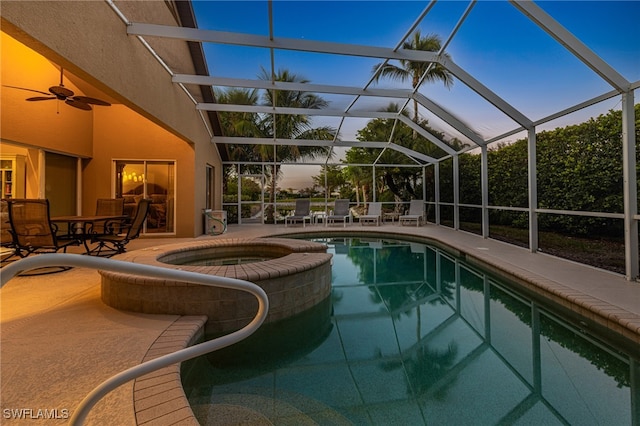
76 260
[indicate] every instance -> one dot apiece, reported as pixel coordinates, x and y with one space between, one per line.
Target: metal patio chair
120 232
32 229
374 214
416 213
301 214
107 207
7 244
33 232
341 213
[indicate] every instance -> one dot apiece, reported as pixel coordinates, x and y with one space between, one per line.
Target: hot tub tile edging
141 294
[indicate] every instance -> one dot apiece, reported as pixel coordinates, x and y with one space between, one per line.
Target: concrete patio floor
59 341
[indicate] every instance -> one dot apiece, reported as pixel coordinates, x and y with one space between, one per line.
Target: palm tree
289 126
238 123
415 70
284 126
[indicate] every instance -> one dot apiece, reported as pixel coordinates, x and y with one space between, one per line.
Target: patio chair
341 213
32 230
8 247
416 213
120 232
107 207
374 214
302 213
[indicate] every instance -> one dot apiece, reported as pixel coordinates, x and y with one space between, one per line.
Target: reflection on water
412 335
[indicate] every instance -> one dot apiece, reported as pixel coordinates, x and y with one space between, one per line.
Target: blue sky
497 45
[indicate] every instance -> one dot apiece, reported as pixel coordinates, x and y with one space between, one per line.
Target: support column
456 192
533 191
239 201
373 183
630 187
424 183
436 189
484 187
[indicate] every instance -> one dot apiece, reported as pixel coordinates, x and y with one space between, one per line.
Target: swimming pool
412 335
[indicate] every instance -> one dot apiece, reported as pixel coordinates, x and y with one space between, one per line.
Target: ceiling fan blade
78 104
61 91
94 101
24 88
40 98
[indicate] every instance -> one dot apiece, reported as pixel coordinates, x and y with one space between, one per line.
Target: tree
334 178
579 168
289 126
403 183
413 70
285 126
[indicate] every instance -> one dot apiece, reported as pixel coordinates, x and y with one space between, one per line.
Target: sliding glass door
154 180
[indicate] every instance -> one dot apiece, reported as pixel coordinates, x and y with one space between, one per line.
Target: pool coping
158 397
608 289
601 312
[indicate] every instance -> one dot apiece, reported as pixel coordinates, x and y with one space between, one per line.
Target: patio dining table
78 226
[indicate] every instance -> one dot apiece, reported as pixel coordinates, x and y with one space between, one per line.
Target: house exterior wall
46 124
89 40
136 138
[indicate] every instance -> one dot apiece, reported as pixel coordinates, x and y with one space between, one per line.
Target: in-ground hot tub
295 274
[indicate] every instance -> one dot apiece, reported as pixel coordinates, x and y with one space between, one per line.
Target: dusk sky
496 44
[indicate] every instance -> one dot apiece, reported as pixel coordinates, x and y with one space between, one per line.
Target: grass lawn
605 253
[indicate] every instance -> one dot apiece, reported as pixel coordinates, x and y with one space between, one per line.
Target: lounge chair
416 213
120 232
33 232
374 214
341 213
302 213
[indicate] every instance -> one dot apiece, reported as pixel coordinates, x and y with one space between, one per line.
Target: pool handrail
80 261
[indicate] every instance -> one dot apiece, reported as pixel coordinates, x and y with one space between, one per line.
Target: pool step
258 410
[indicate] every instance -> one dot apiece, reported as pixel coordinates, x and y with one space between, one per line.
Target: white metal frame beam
487 94
449 118
630 187
251 40
326 143
328 113
430 105
455 122
281 43
282 85
573 44
528 8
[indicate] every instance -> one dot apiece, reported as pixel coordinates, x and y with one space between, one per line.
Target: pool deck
59 341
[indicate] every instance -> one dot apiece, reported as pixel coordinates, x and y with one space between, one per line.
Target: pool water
412 335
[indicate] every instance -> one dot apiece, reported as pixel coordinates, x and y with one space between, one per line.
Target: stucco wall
121 134
47 124
89 40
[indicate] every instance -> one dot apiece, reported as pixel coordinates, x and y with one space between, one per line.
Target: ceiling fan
63 94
